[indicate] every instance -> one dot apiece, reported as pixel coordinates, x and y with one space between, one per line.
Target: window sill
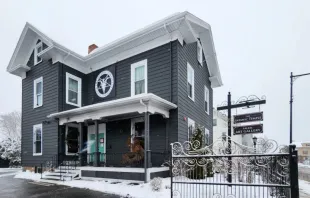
207 113
72 154
37 106
192 99
37 154
73 104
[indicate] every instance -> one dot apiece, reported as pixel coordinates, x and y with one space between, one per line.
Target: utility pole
293 77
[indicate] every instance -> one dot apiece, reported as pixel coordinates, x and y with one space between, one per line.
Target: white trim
207 98
79 97
33 146
40 44
116 107
66 134
199 53
189 123
133 67
35 82
191 69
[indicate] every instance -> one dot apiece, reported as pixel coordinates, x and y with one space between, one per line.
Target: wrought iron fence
214 172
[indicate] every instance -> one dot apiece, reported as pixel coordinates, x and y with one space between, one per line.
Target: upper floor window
37 50
73 90
37 139
199 53
38 92
305 152
207 99
190 82
139 77
207 136
191 127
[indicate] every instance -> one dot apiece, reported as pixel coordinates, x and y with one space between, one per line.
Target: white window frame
133 68
33 136
191 69
199 53
67 127
79 97
190 122
207 132
40 44
207 99
35 82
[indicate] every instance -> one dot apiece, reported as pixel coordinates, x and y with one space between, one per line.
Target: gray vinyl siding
63 69
159 61
186 107
32 116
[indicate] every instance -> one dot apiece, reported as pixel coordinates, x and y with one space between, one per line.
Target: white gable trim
180 26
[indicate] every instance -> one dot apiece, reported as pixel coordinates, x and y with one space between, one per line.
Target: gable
183 27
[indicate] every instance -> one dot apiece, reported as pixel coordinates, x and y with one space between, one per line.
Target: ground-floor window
72 139
37 139
137 134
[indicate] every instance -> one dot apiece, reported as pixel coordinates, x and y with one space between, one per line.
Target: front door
92 144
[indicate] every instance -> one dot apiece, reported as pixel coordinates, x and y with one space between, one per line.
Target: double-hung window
199 53
73 90
37 50
207 136
139 77
207 100
190 82
38 92
191 128
37 139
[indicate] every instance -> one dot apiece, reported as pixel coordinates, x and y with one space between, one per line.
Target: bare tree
10 131
10 125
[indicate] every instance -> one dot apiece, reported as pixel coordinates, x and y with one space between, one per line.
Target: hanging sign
255 128
249 117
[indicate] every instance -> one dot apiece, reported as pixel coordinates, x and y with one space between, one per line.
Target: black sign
250 117
255 128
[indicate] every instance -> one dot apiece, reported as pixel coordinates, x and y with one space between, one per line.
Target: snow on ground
9 169
126 188
304 186
123 188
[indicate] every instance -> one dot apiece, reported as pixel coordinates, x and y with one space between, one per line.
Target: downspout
146 140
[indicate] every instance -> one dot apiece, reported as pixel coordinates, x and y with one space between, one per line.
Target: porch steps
58 175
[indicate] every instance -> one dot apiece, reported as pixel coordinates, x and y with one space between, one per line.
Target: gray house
122 104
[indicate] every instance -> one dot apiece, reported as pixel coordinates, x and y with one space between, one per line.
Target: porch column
81 143
147 151
96 154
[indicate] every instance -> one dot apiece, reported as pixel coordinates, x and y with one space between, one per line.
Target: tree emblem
104 84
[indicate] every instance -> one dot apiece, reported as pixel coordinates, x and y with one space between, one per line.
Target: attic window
199 53
37 50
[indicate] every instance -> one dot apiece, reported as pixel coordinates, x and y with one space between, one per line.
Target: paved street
19 188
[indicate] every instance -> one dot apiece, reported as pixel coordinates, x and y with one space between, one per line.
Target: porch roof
139 103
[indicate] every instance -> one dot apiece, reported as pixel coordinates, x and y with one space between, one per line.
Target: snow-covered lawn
123 188
9 169
303 165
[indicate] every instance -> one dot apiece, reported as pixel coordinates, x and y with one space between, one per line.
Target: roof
181 26
133 104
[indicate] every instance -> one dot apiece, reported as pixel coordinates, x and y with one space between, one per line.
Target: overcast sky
258 44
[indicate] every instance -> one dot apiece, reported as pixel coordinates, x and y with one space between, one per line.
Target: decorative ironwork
264 169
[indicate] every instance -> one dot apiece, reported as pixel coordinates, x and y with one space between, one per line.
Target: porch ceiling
139 103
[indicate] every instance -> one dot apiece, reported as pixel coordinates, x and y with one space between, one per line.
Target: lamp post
293 77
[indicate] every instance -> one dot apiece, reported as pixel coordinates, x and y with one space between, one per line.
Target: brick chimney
91 48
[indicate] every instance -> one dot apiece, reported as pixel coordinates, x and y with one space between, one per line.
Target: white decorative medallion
104 84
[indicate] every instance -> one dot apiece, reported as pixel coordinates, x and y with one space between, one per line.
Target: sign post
242 102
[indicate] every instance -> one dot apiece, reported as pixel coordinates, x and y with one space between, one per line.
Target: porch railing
128 159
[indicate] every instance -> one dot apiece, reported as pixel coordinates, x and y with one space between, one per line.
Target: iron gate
267 171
